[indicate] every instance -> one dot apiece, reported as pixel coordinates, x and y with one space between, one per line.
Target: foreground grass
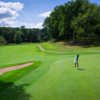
53 77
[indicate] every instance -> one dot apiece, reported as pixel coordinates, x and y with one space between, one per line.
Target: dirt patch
41 49
97 50
4 70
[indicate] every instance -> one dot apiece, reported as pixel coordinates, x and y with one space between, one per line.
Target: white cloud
8 23
45 14
12 5
9 12
38 25
31 25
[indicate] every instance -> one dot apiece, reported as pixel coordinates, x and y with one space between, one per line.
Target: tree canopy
77 20
22 34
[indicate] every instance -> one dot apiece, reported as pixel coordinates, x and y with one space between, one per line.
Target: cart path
4 70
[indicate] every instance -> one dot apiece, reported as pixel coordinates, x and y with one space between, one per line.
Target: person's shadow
10 91
81 69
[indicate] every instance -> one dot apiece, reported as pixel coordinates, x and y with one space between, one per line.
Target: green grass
17 54
52 76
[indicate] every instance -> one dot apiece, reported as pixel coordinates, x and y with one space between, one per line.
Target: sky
28 13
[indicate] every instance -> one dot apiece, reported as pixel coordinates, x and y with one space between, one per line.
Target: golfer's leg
75 65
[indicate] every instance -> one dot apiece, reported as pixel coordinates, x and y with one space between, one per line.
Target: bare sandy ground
4 70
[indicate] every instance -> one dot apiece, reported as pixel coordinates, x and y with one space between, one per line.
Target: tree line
19 35
77 21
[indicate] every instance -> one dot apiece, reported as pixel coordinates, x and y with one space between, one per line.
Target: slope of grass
55 77
61 49
18 54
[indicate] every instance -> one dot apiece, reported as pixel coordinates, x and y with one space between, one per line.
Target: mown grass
12 55
17 74
61 49
54 76
8 82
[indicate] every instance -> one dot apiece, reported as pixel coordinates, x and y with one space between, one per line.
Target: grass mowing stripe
49 80
38 73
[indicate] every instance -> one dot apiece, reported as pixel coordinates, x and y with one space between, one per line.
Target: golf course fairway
52 76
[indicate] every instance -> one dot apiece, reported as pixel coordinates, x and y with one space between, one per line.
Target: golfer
76 61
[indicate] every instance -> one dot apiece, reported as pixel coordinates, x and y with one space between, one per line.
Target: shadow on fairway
9 91
81 69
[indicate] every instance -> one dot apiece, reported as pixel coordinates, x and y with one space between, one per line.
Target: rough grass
54 76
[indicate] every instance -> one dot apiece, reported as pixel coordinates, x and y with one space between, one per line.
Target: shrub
2 40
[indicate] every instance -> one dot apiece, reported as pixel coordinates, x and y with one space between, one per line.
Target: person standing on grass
76 61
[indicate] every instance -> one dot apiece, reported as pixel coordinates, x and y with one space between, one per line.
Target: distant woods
19 35
77 21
